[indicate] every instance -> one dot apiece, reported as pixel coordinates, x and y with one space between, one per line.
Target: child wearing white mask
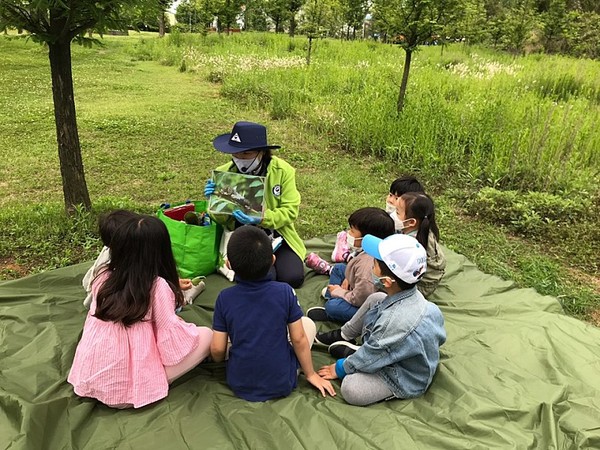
401 185
415 213
350 284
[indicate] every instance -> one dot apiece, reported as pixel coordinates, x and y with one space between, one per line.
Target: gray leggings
353 328
362 389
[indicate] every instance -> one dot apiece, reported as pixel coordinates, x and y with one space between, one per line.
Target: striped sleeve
175 338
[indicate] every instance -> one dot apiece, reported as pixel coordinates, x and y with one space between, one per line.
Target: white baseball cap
404 256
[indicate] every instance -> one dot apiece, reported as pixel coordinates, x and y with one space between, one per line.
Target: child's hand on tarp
321 384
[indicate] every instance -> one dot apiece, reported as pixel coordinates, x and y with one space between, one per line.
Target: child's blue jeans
338 309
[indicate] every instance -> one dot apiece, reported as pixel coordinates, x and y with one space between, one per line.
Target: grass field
521 124
148 110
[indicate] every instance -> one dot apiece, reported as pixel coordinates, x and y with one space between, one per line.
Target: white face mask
404 226
351 240
390 208
398 224
248 165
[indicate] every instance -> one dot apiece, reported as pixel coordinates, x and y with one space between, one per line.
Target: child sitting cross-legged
269 336
414 216
402 331
350 284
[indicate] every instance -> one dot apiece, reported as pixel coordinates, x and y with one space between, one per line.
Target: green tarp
515 373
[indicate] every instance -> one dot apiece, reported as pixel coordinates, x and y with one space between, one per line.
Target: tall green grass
471 115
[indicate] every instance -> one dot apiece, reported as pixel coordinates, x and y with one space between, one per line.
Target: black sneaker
329 337
317 314
342 349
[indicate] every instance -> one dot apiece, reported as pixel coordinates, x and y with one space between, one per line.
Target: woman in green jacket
251 154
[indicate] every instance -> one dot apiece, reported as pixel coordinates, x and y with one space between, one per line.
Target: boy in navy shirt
256 315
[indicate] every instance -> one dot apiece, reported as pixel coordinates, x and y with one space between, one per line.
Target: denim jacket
402 335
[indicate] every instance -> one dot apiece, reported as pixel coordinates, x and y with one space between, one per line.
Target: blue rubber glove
209 188
245 219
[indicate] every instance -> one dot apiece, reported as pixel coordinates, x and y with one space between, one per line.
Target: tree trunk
309 50
405 72
293 24
69 151
161 24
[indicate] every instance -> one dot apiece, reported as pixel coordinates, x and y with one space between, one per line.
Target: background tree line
569 27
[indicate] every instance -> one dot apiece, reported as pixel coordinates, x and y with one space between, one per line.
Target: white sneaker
324 291
193 292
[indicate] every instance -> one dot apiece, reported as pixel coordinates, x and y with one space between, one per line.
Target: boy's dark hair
404 184
386 272
109 222
373 221
420 206
250 253
140 251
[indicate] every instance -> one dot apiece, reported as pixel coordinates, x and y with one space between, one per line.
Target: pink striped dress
120 365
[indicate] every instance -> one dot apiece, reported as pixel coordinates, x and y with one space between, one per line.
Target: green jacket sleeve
283 198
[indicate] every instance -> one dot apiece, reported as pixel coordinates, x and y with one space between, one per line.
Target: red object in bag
177 212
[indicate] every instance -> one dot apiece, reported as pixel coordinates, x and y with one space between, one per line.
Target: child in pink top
133 344
107 225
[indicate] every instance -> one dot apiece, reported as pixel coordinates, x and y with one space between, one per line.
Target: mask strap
389 278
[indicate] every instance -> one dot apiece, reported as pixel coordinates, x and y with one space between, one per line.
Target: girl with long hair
133 344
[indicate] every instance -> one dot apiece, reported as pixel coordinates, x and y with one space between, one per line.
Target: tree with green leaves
583 29
468 23
144 14
320 17
411 23
255 17
278 12
163 5
354 15
56 24
294 7
554 25
195 15
188 16
518 25
228 12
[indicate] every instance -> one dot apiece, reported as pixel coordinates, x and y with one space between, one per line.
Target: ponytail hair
419 206
140 251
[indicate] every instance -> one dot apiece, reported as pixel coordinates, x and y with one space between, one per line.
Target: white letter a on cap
236 138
